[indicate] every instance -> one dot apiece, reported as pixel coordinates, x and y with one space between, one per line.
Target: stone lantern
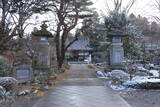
116 48
41 37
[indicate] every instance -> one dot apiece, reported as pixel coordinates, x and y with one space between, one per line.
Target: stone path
81 89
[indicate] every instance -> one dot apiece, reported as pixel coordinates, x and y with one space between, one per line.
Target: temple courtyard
79 88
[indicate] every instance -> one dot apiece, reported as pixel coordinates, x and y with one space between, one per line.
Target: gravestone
23 73
116 49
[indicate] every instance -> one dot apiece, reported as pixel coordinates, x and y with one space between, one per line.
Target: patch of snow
101 75
7 79
141 68
118 87
140 80
115 87
1 88
35 92
8 82
44 88
118 74
155 73
24 92
151 65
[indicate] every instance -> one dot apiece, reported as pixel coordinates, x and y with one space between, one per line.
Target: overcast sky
143 7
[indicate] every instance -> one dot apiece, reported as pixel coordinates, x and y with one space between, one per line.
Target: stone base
117 66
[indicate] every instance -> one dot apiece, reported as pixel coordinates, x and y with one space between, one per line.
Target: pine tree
94 29
68 13
118 19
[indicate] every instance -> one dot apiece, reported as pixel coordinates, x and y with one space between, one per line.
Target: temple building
81 51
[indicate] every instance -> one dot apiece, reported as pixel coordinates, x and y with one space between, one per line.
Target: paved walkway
81 89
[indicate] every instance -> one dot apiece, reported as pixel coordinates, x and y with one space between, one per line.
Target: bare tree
157 7
13 18
118 6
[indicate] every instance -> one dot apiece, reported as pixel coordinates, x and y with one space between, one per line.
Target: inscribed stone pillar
44 52
116 52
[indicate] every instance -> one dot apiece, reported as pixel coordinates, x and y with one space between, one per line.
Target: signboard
23 74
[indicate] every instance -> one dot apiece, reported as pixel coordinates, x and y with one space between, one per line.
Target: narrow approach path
81 89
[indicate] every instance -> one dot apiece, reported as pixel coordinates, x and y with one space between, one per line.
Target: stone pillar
116 52
90 58
44 52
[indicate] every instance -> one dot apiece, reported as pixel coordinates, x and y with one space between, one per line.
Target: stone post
116 48
44 52
116 52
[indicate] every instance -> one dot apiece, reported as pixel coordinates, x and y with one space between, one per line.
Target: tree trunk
58 47
62 49
61 60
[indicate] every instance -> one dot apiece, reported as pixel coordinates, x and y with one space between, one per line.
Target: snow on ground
151 65
101 75
141 68
118 74
134 81
141 79
115 87
155 73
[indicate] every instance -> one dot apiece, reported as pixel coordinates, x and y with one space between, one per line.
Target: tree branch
75 39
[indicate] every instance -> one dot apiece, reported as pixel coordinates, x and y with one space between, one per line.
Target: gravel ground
142 98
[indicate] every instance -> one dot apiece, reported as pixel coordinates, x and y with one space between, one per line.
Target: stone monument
23 73
41 37
116 48
42 60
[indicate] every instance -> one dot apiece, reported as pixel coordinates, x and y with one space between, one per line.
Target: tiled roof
82 43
